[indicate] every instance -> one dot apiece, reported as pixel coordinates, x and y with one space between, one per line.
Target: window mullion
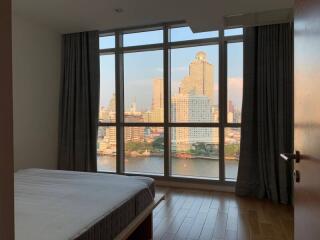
166 82
119 103
222 103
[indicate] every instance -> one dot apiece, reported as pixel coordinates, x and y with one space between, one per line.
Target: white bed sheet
59 205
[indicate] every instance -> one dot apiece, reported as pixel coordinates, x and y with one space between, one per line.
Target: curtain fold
267 113
79 102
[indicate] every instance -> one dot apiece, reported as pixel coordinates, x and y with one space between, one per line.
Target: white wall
36 82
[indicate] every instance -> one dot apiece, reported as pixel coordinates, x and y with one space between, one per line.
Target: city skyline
194 100
192 84
194 87
151 64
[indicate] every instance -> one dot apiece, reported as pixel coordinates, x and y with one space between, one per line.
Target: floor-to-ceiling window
170 102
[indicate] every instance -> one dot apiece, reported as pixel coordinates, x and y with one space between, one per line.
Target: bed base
142 226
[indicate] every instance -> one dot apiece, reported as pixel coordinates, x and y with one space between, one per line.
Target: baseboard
195 186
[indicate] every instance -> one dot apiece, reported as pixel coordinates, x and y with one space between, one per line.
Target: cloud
235 88
235 83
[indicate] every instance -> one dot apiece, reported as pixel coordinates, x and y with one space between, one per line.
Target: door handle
291 156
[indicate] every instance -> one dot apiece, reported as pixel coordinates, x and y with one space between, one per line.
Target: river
200 168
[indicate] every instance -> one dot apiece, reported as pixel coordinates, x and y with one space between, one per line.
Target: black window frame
166 46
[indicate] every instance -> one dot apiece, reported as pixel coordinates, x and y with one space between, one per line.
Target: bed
59 205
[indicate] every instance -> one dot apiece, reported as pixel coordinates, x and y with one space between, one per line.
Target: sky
141 68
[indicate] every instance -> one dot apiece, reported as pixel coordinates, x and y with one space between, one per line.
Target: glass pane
235 81
185 33
144 150
194 84
233 32
232 152
195 152
143 86
107 42
107 111
142 38
107 149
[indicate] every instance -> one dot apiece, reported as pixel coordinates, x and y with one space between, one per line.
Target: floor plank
208 215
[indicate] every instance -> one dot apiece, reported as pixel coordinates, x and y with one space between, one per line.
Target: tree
232 149
158 143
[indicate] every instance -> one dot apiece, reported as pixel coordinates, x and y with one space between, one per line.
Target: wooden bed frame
142 226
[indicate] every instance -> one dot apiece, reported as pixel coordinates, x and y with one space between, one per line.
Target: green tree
138 146
232 150
157 144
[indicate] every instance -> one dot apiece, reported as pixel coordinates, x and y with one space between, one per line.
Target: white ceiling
82 15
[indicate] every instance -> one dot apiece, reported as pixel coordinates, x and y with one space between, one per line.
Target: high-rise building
230 117
200 78
107 141
133 107
132 115
112 104
183 137
108 114
147 116
191 108
194 103
233 115
157 101
157 115
103 114
157 94
215 113
231 106
134 134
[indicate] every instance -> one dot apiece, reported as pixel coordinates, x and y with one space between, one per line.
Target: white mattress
58 205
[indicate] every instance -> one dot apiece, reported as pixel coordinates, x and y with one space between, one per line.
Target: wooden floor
188 214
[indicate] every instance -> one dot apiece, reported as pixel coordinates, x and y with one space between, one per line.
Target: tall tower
133 106
194 103
157 101
112 104
200 79
157 94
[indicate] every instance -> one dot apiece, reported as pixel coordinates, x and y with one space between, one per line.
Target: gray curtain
79 102
267 113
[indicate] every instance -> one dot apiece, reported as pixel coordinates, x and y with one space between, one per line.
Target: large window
170 102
